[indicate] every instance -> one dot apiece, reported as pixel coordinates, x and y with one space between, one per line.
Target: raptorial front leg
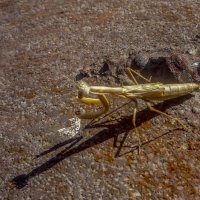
101 100
162 113
88 100
131 72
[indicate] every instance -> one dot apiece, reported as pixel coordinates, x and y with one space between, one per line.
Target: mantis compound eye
84 90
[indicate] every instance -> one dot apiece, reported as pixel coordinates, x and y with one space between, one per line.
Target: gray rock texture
46 151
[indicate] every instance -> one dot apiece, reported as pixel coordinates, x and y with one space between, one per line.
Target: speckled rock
46 153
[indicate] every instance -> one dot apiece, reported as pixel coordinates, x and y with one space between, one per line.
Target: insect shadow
112 130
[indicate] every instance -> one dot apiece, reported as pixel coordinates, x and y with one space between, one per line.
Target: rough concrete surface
46 151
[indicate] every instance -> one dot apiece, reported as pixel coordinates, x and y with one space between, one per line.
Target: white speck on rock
73 129
192 51
136 194
195 110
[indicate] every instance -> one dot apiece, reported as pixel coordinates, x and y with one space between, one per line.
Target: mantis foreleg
102 99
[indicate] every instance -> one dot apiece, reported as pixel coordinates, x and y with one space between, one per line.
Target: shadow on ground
112 130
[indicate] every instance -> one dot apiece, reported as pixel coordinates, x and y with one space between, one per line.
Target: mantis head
83 89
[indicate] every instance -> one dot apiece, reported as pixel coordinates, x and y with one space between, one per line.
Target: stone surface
44 47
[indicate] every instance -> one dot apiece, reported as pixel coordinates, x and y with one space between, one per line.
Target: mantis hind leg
131 73
162 113
101 100
135 127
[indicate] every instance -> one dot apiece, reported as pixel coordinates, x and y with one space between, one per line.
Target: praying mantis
148 92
